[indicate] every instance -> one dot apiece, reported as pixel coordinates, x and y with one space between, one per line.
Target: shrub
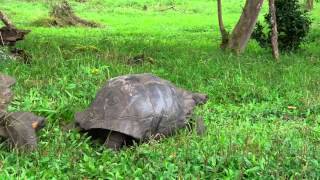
293 26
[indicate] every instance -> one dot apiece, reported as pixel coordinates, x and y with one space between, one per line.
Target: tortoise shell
140 106
5 92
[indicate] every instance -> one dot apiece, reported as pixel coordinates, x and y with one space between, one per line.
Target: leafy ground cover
263 117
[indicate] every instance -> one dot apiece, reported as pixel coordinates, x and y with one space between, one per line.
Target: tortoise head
199 98
21 128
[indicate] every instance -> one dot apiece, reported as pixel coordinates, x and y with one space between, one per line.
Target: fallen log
9 34
9 37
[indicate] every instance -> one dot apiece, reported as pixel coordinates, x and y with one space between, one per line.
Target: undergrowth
262 116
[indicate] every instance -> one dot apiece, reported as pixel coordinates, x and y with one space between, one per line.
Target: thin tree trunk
6 21
309 5
274 34
244 28
223 31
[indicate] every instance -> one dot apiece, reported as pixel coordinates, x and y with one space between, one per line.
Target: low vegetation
263 117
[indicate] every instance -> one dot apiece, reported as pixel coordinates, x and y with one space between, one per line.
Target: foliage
293 26
263 118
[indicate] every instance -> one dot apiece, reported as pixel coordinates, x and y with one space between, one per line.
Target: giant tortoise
18 127
139 107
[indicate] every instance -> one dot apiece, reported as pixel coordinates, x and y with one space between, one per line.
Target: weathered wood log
6 21
9 34
63 15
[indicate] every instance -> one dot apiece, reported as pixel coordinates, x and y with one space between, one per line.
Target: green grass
251 131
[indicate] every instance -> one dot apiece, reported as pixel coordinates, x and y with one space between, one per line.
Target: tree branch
6 21
223 31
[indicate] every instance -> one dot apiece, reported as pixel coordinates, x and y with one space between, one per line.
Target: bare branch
6 21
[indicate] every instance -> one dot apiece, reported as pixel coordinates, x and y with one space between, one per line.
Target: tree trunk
274 34
223 31
309 5
244 28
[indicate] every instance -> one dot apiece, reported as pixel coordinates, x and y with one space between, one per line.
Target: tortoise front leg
3 132
115 140
197 123
200 126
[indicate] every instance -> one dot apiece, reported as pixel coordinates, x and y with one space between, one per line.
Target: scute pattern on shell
139 105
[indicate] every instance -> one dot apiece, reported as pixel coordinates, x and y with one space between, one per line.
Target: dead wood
9 34
63 15
6 21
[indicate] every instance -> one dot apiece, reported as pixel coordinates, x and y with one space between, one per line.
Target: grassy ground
251 131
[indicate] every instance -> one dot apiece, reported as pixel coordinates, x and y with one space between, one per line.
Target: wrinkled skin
140 106
19 127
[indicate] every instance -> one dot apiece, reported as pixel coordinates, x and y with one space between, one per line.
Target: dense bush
293 26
